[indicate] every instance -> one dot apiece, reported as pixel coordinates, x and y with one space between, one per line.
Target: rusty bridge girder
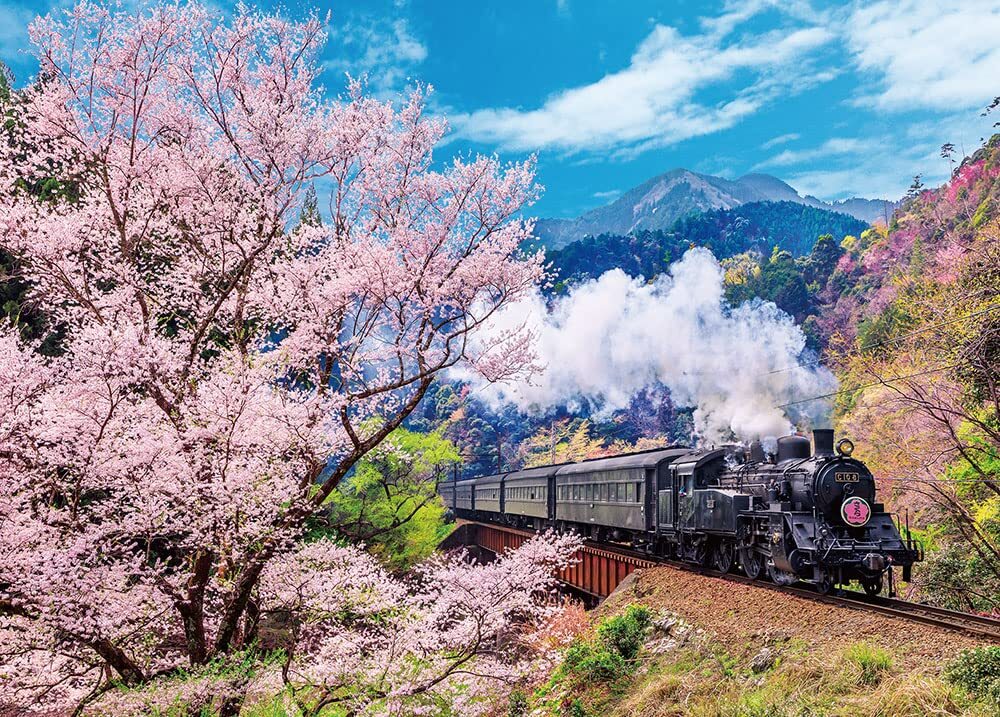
595 571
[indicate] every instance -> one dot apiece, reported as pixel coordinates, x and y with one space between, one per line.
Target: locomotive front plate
841 477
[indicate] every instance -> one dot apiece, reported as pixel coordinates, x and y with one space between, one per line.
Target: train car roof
536 472
700 457
488 479
645 459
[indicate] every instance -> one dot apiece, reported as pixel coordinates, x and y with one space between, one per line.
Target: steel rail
979 626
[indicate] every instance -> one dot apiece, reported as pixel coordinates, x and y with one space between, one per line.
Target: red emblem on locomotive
856 511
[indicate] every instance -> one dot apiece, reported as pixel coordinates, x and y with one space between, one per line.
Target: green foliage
983 212
977 671
586 662
309 215
727 232
390 501
780 279
876 333
518 704
612 654
872 662
624 633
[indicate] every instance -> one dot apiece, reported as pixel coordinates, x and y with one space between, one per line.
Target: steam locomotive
792 513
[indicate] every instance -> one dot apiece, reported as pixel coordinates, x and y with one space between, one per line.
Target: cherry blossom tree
220 371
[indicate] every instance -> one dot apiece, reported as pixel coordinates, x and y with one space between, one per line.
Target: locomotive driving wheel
752 562
872 586
701 554
722 556
825 585
779 576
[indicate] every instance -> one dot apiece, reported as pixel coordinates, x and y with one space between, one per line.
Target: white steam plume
613 336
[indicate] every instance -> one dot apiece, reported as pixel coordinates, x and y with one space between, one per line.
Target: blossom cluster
220 367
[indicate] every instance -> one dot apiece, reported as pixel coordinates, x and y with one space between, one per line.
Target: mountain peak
660 201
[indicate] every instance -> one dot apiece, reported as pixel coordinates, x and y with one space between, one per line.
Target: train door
686 507
665 497
649 498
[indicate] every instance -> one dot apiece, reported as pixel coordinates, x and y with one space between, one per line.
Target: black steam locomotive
792 513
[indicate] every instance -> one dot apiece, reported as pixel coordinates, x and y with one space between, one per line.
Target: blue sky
838 100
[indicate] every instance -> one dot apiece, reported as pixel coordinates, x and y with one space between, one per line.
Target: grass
703 680
870 661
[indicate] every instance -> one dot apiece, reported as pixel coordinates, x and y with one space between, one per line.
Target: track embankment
744 617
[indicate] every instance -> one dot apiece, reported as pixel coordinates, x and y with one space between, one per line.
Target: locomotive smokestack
823 441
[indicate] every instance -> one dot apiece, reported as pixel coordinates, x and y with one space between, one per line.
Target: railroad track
978 626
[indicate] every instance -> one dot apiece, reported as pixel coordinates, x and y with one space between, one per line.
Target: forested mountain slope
759 226
911 318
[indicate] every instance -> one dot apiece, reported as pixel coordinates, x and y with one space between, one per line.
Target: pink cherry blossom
222 369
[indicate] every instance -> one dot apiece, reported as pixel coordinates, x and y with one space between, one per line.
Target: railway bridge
599 570
596 572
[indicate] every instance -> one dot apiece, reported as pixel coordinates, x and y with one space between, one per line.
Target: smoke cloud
613 336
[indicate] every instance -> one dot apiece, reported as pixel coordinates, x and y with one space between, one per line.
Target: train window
621 492
532 496
629 495
638 492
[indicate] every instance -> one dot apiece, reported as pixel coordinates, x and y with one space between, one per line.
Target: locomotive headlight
845 446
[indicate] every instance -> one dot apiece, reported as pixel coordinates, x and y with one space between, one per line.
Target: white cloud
884 165
780 139
608 195
833 147
386 50
656 100
879 182
939 54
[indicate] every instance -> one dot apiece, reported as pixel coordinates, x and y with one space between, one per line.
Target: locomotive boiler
793 513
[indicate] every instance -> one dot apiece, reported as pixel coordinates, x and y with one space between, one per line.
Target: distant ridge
660 201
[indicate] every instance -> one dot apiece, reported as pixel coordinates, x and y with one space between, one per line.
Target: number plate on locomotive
847 477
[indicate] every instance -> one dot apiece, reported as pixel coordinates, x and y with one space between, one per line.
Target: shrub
624 633
977 672
610 655
518 705
871 661
593 663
